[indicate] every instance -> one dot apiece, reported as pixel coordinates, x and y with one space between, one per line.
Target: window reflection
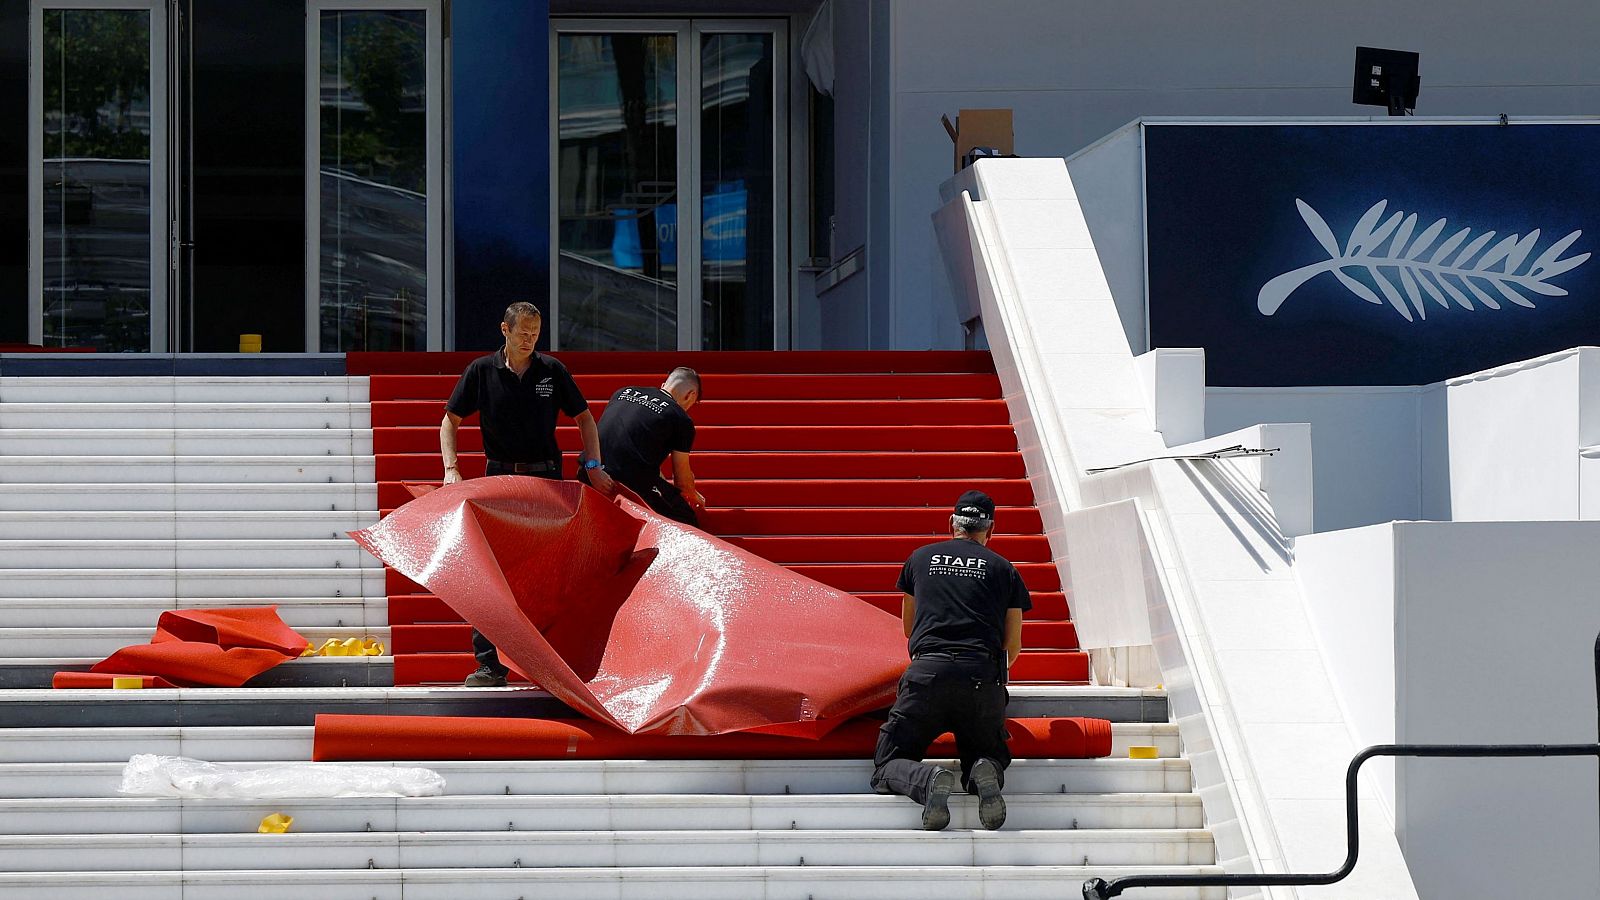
96 171
736 160
373 180
616 198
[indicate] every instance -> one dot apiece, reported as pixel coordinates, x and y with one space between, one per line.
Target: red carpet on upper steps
834 463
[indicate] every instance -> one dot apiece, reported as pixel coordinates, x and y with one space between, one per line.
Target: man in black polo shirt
962 609
518 392
641 427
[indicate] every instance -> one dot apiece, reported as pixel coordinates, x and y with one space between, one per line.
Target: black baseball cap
975 505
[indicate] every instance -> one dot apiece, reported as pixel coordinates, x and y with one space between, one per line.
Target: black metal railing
1100 889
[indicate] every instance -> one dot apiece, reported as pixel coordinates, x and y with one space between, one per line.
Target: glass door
374 264
666 223
98 175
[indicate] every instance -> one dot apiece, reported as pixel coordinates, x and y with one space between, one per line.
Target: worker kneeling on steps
962 610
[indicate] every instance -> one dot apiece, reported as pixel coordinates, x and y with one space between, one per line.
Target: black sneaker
984 780
936 811
485 677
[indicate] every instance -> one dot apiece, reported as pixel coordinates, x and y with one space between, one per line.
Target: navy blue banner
500 91
1371 254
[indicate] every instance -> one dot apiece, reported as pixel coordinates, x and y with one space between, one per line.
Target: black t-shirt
963 590
638 429
519 414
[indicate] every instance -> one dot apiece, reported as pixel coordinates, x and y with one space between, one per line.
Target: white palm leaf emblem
1457 269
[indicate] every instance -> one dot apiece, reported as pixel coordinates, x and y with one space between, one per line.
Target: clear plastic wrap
149 775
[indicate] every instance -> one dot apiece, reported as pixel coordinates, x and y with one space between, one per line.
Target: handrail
1100 889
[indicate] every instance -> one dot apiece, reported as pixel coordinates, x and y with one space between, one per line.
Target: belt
525 468
972 655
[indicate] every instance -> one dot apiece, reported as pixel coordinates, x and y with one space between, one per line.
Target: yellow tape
347 647
1143 753
277 823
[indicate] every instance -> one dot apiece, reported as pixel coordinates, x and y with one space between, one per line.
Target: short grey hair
685 376
971 524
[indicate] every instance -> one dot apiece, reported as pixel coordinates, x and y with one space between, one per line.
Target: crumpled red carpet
641 623
198 647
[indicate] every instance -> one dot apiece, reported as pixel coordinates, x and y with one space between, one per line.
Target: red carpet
830 463
350 738
637 621
198 647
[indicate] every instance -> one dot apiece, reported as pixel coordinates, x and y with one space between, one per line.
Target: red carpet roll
347 738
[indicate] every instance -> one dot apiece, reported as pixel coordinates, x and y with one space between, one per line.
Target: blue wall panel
500 96
1248 225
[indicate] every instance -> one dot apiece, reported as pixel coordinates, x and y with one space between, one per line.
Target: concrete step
636 812
651 777
158 471
186 554
18 643
183 389
359 686
185 442
126 496
673 883
142 612
255 744
233 582
202 415
34 673
622 849
191 525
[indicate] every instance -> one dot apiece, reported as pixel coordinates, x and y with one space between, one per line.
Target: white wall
1248 687
1513 441
1074 72
1364 440
1491 627
1110 179
1347 579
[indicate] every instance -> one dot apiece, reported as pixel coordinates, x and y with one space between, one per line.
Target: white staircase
123 497
120 498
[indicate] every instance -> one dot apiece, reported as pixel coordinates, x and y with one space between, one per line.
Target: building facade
344 175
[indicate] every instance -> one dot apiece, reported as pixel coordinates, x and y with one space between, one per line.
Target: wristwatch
591 464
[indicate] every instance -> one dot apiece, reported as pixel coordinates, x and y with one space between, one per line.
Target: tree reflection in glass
374 203
96 171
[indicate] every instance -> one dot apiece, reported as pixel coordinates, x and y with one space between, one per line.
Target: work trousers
660 495
964 695
481 647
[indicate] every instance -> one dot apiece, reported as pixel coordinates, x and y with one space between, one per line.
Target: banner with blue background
1383 254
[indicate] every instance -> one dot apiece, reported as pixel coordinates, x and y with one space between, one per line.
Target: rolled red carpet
343 737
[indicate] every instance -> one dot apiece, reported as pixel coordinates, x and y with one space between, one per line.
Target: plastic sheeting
194 647
149 775
346 737
639 622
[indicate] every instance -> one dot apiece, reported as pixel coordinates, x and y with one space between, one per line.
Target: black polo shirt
638 429
963 590
518 414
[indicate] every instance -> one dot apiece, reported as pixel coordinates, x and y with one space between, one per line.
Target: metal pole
1100 889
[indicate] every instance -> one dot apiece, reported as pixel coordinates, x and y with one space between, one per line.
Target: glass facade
617 191
97 179
198 170
373 180
736 164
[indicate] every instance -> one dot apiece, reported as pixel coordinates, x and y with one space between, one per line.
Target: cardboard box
980 128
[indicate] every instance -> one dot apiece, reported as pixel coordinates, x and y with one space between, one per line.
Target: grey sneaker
936 811
984 780
485 677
